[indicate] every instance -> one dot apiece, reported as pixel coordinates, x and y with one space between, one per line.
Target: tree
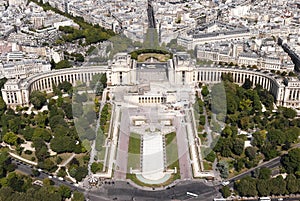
5 192
61 144
211 156
244 122
81 172
264 173
67 108
56 121
292 184
48 165
278 186
239 164
291 161
63 64
41 149
225 190
238 146
269 151
259 139
247 84
223 169
10 138
246 187
292 134
224 146
65 86
289 113
14 124
35 172
15 182
38 99
251 153
78 196
227 132
276 136
232 105
64 191
95 167
263 187
204 91
3 106
41 119
42 133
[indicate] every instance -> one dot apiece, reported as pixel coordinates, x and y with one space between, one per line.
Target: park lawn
29 156
101 154
170 138
134 151
172 166
171 148
64 156
207 165
134 146
80 157
87 145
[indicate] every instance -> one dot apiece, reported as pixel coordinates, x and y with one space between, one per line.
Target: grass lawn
170 138
171 148
64 156
101 154
80 157
87 145
134 146
172 166
29 156
207 165
134 151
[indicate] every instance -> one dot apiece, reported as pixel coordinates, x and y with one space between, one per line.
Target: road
150 14
27 169
123 191
269 164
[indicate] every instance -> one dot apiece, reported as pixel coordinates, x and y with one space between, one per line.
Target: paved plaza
153 156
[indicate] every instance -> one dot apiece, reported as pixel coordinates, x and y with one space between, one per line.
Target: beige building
180 70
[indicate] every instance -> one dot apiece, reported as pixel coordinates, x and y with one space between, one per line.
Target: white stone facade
181 70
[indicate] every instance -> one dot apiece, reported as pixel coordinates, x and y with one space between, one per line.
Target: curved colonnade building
181 70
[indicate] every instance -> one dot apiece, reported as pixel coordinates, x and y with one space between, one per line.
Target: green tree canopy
38 99
291 161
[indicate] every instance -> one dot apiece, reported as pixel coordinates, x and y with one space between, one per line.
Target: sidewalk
22 159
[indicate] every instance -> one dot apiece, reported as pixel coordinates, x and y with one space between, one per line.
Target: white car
225 183
60 178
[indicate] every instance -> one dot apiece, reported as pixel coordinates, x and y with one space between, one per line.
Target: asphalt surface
27 169
150 13
121 190
124 191
270 164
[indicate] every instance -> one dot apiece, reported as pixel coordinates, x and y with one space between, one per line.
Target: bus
265 199
192 194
